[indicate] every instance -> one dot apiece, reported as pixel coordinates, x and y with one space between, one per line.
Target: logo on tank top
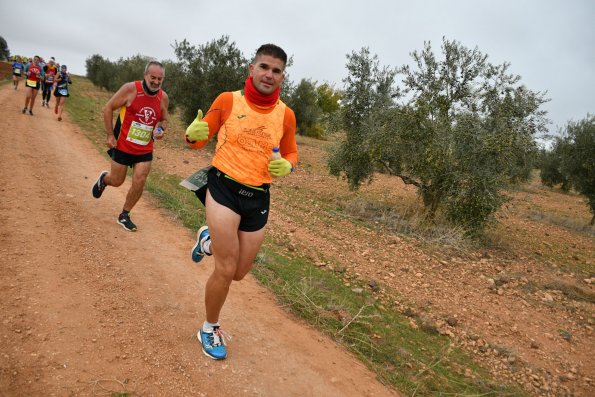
147 115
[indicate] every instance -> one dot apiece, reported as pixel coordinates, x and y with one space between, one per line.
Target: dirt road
90 309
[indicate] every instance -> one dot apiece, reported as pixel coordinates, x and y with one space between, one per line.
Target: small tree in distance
571 161
304 102
4 51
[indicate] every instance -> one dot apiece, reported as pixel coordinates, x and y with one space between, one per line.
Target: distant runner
34 74
49 72
61 91
18 70
142 117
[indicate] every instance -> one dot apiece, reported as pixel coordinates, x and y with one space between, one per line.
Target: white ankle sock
206 247
208 327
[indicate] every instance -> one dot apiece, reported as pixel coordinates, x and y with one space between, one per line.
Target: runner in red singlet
33 76
142 117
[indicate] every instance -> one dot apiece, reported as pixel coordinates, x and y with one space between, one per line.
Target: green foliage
572 160
464 128
314 105
173 75
4 51
368 94
551 170
579 164
328 99
304 102
206 71
201 73
112 75
130 69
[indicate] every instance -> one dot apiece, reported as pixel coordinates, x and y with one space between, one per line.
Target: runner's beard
149 90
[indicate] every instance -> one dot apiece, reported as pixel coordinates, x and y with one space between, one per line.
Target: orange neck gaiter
255 97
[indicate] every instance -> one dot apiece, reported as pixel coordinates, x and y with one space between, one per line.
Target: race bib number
140 133
31 83
49 79
17 71
63 91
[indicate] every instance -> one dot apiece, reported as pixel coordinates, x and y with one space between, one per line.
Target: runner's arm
288 145
215 117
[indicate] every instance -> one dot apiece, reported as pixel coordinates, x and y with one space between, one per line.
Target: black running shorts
251 203
128 159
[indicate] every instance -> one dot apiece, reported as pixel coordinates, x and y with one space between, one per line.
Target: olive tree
368 92
204 72
101 71
550 167
328 98
572 160
303 101
459 129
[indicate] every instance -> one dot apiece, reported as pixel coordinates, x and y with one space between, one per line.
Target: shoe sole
192 254
124 226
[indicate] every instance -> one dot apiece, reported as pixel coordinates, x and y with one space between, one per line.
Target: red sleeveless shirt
135 123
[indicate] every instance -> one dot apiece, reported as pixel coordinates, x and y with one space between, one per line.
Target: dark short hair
272 50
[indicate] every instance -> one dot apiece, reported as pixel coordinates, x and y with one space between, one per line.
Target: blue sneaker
213 345
197 251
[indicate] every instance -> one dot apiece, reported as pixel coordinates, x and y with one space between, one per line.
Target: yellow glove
198 130
280 167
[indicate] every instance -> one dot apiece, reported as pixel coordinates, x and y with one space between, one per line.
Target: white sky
549 43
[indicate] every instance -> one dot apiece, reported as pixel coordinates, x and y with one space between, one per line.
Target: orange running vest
246 140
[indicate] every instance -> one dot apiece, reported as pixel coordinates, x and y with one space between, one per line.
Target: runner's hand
158 132
280 167
111 141
198 130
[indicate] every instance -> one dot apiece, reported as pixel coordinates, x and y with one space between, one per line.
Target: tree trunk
431 198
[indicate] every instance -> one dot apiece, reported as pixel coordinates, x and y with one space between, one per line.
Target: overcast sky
549 43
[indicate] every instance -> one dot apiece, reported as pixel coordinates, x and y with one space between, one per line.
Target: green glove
280 167
198 130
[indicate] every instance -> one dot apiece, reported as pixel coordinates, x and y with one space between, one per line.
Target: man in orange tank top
249 124
142 118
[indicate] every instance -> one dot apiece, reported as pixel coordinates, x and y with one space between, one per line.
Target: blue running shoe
213 345
197 251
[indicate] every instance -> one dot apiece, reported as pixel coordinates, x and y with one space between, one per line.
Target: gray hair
154 63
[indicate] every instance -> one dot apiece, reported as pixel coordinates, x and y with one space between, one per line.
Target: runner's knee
239 276
115 181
